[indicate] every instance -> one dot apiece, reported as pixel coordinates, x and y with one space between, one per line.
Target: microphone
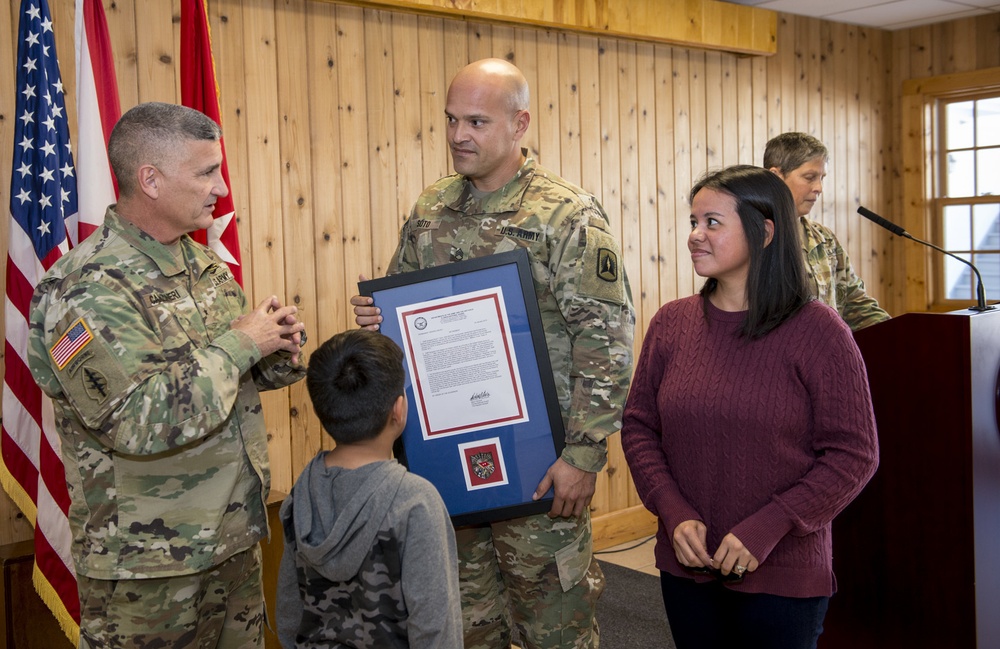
900 232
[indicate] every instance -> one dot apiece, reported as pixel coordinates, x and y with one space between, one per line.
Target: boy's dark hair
776 281
353 380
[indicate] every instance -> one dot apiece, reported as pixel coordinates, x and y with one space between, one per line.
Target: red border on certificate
494 298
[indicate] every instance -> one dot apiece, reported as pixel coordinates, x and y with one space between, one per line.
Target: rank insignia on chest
220 275
71 343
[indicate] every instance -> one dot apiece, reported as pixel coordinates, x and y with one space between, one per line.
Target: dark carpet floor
630 611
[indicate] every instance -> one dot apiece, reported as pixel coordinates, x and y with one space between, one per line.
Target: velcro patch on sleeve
602 277
71 343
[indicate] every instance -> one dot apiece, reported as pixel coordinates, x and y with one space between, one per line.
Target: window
968 201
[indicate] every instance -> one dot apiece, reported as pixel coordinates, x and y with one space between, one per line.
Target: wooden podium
917 555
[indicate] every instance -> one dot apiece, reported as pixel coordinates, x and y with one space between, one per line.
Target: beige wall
333 119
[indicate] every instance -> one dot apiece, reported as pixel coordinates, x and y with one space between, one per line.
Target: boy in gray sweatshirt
369 555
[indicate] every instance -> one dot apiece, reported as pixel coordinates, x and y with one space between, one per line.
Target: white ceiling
885 14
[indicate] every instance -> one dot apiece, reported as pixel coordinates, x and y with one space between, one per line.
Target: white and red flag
200 91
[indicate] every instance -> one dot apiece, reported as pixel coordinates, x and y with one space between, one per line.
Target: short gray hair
149 134
789 151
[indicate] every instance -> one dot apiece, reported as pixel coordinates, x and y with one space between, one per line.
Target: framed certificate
483 423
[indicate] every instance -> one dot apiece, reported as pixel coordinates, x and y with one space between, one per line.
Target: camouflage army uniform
586 308
832 278
156 403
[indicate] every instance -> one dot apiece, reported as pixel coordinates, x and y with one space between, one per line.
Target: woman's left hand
732 556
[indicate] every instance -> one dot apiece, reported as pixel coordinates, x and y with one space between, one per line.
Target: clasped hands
273 327
731 557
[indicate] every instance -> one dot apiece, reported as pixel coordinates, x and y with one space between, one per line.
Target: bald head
506 82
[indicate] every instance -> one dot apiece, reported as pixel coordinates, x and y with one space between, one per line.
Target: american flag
43 196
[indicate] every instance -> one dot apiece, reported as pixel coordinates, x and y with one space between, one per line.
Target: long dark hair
776 282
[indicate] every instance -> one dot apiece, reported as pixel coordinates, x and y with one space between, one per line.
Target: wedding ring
740 569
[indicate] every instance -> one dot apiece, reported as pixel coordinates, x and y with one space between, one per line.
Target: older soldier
800 160
537 570
144 341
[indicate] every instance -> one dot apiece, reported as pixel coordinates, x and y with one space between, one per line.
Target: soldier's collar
458 196
168 263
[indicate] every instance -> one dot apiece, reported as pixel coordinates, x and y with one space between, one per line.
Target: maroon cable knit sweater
768 439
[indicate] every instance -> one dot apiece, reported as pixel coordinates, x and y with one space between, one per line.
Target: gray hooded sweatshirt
369 561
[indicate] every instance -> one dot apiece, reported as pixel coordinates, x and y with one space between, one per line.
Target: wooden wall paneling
645 272
590 117
353 120
837 180
525 53
730 119
812 49
612 177
987 31
388 168
120 17
714 138
698 118
921 52
863 260
629 227
297 200
848 221
322 67
773 78
157 66
226 21
502 45
761 101
398 83
547 104
827 133
900 44
669 222
433 89
480 40
883 151
456 50
569 125
646 286
743 126
789 81
263 144
801 57
683 173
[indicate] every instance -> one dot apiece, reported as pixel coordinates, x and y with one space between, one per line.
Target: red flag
43 204
98 110
200 91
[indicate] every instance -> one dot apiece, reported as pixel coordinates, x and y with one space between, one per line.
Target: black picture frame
455 460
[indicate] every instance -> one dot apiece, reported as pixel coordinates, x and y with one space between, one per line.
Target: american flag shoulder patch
70 343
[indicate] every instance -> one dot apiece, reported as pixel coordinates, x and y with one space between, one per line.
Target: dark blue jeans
709 615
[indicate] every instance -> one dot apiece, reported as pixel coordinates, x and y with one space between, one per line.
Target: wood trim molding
705 24
623 525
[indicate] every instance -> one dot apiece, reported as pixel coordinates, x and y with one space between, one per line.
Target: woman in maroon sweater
748 427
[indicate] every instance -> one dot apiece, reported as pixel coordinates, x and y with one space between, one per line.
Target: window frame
922 179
